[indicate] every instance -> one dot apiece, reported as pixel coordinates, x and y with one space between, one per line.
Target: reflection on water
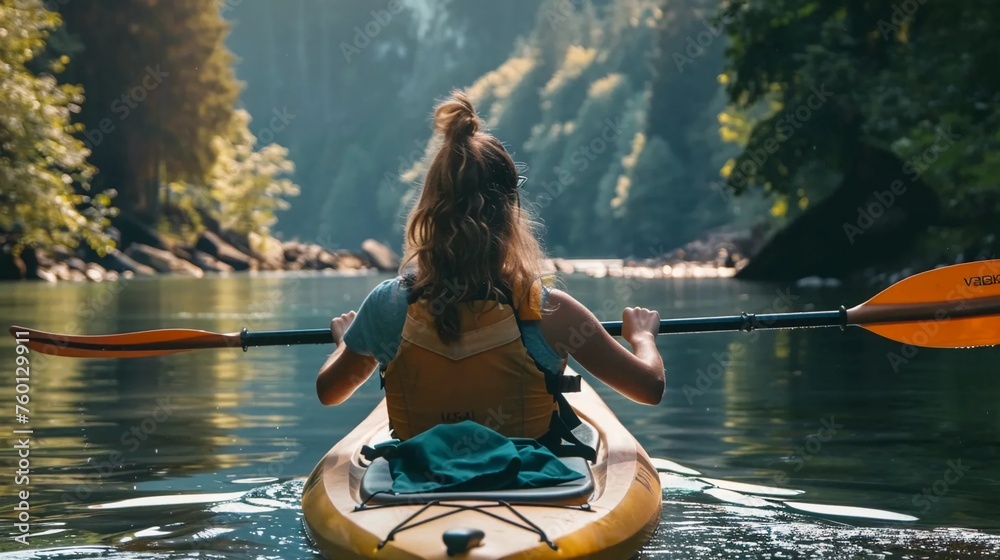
205 451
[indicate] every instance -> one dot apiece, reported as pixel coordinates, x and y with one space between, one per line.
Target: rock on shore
162 261
212 252
381 256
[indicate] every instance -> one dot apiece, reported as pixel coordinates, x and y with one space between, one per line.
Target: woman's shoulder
390 285
388 293
562 309
553 298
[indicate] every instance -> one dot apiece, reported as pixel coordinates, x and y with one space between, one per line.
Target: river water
847 417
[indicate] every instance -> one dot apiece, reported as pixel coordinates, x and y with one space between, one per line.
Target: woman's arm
572 329
345 370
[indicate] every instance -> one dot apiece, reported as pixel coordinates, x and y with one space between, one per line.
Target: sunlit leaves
40 161
160 87
248 184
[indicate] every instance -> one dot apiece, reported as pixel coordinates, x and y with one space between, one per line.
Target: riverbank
210 252
623 268
716 255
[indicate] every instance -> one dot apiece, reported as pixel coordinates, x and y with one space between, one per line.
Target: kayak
350 512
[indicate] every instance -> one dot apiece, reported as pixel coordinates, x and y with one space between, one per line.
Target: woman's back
494 374
469 240
378 326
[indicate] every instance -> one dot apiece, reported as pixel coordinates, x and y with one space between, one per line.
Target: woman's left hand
339 325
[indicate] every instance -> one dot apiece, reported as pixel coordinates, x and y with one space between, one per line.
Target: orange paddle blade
951 307
127 345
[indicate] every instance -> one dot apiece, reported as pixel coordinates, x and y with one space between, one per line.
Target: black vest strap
560 431
565 419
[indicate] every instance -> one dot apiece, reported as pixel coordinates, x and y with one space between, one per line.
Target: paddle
951 307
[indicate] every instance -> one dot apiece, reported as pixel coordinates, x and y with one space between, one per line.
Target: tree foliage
249 184
818 84
567 85
245 186
40 160
160 87
573 102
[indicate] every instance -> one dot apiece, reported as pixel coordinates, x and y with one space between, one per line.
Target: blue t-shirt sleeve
377 329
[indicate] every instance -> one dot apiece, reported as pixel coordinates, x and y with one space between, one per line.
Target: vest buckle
569 383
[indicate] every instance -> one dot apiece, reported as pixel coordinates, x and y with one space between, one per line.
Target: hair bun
455 118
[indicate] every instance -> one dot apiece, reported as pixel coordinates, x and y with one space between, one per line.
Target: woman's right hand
639 321
572 329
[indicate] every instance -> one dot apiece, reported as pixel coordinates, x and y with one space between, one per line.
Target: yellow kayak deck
615 522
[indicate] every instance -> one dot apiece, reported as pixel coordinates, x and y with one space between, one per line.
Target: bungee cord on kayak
454 508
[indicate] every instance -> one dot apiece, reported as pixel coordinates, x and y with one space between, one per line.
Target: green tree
656 218
367 78
40 160
244 189
868 93
246 183
160 88
579 88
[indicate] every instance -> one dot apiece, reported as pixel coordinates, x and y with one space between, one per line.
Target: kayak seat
376 484
376 488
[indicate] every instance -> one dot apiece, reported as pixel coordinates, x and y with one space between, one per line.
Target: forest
829 137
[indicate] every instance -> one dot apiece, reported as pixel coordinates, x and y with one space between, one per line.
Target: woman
472 334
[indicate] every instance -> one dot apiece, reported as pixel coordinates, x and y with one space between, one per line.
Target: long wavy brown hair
467 232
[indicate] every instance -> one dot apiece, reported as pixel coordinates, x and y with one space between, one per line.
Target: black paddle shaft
744 322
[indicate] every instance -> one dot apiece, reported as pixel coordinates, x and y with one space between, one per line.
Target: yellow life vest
487 376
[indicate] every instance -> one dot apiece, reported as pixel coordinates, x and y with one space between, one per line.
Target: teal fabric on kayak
467 457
